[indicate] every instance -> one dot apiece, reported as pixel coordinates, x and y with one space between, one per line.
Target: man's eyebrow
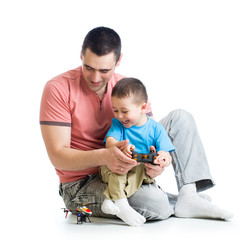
104 69
87 66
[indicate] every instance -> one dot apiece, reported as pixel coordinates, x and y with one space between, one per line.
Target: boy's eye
124 112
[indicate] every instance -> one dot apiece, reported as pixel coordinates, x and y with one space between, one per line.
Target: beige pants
124 185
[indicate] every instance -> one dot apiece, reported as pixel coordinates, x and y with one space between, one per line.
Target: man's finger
122 144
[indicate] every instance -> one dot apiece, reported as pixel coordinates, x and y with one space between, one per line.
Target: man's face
98 70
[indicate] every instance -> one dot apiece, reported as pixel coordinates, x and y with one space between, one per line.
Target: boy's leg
116 192
116 183
135 177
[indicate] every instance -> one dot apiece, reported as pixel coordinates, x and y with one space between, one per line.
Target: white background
186 52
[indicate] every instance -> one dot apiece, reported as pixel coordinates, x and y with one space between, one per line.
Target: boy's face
128 112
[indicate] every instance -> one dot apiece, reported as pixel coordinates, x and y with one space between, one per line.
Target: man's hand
153 170
116 160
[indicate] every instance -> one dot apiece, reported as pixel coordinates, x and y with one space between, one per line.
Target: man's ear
119 60
81 55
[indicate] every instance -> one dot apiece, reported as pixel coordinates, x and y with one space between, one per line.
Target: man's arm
57 140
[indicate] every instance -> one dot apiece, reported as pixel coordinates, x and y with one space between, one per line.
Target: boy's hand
163 159
127 150
153 170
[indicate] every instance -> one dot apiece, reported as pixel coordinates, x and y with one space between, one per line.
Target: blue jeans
189 163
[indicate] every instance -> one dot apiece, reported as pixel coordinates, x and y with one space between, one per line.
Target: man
75 115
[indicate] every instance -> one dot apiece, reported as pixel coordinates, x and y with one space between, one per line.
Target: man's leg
84 191
152 202
149 200
189 159
191 167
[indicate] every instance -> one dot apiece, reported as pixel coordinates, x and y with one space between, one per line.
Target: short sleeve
54 108
116 131
163 142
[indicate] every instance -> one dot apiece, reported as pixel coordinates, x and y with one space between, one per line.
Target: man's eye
104 71
88 68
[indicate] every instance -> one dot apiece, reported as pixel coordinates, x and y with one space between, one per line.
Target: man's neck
101 92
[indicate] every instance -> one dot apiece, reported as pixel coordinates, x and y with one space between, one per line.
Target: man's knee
182 117
151 202
179 119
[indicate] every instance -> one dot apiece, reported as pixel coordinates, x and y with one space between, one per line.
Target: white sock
109 207
128 214
205 196
191 205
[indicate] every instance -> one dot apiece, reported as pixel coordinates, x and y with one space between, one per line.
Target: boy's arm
111 141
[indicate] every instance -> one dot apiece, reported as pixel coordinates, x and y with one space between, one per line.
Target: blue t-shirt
142 137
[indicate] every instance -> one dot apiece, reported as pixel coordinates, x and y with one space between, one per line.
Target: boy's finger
152 149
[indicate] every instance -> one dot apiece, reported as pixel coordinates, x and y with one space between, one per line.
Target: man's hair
101 41
130 87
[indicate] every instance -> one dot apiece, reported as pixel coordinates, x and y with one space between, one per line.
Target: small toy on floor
83 213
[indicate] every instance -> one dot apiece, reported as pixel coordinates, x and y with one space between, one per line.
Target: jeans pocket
83 198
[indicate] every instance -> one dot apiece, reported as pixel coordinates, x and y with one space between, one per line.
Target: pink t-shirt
67 101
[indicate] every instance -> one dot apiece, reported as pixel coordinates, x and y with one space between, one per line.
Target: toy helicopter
83 213
144 157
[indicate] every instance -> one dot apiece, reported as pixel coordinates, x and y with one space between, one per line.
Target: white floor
41 217
31 209
55 226
169 229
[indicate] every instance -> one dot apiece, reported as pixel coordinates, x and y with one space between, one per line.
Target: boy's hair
128 87
101 41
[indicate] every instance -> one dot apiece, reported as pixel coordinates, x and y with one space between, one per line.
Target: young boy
129 101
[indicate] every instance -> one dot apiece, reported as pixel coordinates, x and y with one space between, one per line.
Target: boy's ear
144 107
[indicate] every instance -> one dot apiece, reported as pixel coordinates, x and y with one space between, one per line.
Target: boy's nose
120 116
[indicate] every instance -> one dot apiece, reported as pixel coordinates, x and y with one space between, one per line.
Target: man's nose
95 76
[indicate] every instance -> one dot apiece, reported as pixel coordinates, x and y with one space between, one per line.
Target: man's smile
96 83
